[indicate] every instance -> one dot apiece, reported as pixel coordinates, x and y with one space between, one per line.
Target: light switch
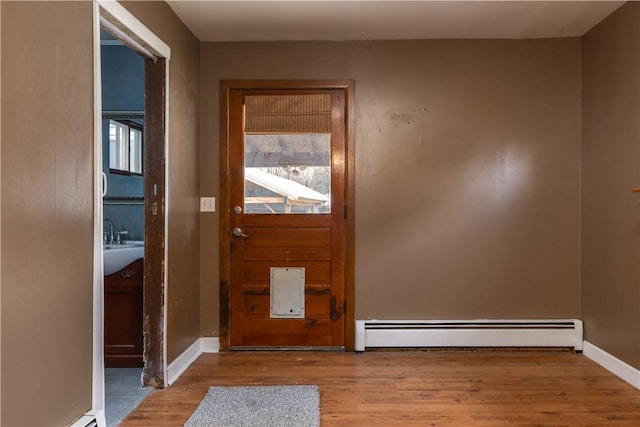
207 204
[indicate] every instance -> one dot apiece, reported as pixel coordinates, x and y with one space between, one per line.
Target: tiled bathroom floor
122 393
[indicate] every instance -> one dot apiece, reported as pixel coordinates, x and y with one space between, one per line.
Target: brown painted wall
467 171
47 212
611 166
183 266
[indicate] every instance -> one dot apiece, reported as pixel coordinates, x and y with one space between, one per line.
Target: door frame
139 38
226 86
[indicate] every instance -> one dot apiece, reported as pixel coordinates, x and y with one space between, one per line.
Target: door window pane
287 173
287 151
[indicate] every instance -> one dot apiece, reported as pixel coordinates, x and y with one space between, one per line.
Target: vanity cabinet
123 317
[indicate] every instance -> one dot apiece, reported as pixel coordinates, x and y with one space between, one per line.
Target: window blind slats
288 113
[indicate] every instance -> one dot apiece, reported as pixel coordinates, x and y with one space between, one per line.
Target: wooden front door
287 215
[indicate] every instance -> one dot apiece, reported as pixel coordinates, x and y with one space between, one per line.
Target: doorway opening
122 75
122 72
286 236
130 222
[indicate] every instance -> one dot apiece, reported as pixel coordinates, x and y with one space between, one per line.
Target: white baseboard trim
101 419
210 344
612 364
182 362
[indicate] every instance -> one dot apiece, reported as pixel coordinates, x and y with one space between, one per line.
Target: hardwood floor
416 388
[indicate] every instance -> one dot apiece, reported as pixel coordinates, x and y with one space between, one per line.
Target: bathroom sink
117 257
110 247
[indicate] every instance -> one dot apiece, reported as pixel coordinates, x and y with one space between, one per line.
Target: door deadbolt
237 209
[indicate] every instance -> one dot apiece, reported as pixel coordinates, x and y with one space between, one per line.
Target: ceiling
388 20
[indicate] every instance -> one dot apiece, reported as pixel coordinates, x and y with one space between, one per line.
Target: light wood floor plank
416 388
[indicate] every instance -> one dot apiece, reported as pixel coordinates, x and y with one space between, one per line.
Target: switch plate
207 204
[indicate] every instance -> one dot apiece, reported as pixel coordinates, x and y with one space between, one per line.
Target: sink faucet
108 221
119 234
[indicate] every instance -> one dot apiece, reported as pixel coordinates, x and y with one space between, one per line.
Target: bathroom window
125 147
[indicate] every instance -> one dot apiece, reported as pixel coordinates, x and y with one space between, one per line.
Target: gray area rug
264 406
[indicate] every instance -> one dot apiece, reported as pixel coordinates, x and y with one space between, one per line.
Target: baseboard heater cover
85 421
468 333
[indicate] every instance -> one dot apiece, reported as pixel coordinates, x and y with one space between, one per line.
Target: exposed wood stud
154 183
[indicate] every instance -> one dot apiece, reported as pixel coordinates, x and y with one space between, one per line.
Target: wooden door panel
317 273
272 333
284 221
288 238
317 301
285 255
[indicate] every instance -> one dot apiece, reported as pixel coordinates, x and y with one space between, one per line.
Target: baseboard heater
86 421
468 333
